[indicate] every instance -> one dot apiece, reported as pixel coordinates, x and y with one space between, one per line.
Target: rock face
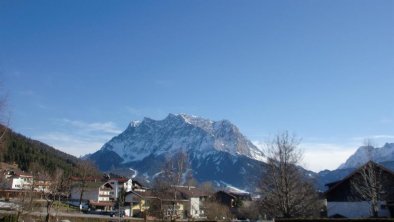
366 153
216 150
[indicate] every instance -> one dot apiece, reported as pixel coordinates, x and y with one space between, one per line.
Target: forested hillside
16 148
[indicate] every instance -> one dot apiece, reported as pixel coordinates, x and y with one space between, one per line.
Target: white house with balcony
18 180
97 194
117 185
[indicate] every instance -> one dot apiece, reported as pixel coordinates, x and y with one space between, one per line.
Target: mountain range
382 155
366 153
216 150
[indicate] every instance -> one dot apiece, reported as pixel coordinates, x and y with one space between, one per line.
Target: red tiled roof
21 175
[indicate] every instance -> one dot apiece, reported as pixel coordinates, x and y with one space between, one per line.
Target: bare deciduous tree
207 187
4 182
176 167
369 145
367 184
165 186
24 203
216 211
86 171
51 190
4 118
249 210
285 191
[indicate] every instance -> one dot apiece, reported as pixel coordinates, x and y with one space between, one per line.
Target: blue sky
77 72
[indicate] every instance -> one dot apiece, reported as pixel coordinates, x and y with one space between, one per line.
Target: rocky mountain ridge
365 153
383 155
216 150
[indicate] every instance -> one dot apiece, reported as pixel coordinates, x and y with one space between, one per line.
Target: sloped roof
335 184
16 174
188 192
107 185
226 193
120 179
135 182
142 194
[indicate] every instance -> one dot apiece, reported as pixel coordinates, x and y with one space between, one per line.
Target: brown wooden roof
335 184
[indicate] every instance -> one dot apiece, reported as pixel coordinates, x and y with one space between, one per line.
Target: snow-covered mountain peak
177 132
216 150
135 123
194 119
365 153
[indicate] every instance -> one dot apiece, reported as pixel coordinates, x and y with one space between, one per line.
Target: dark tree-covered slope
16 148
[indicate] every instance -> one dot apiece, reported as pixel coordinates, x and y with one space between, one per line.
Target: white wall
195 207
355 209
127 213
41 188
115 185
19 183
104 195
128 185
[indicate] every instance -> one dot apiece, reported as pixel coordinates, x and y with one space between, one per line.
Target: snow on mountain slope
180 132
216 150
366 153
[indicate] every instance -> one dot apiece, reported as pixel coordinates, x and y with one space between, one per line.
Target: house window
383 206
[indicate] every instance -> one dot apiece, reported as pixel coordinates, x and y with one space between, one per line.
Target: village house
187 204
20 181
103 195
232 199
42 184
125 184
14 178
343 200
195 206
96 194
141 202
